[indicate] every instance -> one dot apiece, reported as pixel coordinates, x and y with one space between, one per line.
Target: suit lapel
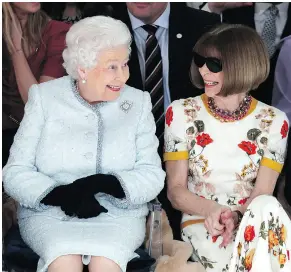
178 52
244 15
175 44
287 28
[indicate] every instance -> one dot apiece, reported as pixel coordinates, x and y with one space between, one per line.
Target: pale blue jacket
62 138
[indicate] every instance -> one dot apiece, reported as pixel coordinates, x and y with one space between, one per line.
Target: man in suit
178 29
257 16
182 27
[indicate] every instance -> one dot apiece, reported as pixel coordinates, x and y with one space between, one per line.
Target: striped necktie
269 30
154 77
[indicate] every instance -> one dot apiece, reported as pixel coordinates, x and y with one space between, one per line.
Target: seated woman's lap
57 238
257 233
206 248
262 240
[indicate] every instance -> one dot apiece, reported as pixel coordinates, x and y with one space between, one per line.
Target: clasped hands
222 221
78 198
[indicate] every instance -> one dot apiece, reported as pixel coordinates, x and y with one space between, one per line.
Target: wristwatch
239 217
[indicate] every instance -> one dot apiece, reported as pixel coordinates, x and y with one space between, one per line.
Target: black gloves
99 183
77 198
57 196
90 207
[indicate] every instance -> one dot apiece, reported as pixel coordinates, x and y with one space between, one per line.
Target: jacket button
88 155
91 116
89 135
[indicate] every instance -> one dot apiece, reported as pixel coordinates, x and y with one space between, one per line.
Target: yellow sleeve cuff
272 164
175 156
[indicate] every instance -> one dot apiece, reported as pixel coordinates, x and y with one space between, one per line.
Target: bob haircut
244 58
88 37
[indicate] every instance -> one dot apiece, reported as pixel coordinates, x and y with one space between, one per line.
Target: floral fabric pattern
224 159
248 147
169 116
284 129
262 242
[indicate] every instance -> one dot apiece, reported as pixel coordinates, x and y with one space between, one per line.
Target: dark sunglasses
214 65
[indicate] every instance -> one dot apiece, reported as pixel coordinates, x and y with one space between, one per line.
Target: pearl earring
83 81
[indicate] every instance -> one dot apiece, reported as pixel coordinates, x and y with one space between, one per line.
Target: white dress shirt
162 35
261 14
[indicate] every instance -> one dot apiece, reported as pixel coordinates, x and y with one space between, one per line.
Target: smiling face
104 82
213 82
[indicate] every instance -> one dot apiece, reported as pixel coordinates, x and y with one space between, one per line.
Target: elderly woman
84 161
224 151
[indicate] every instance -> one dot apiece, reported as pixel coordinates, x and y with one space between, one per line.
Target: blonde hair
244 58
32 34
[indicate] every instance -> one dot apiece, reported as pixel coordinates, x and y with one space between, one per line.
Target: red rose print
214 238
203 139
284 129
248 147
243 201
169 116
249 233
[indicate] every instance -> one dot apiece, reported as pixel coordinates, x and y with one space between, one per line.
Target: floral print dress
224 159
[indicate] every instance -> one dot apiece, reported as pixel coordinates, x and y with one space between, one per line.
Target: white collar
262 7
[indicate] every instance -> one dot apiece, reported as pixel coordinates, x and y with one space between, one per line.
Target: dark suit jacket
245 16
191 24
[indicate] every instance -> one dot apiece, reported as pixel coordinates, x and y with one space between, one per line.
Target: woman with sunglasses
224 151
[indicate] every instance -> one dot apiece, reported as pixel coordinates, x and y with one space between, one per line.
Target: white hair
88 37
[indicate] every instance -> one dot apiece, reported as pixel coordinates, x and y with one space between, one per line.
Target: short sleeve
175 132
275 150
53 66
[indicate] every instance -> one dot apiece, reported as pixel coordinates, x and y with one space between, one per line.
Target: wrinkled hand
212 221
218 7
16 33
229 220
90 207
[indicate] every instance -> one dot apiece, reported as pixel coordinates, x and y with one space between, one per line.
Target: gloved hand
66 197
98 183
57 196
70 197
90 207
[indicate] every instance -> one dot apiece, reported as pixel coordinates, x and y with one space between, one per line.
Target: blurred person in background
32 53
282 100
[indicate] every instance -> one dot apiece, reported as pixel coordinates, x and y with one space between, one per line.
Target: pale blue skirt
109 236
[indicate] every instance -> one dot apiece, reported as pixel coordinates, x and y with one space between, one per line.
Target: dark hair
244 57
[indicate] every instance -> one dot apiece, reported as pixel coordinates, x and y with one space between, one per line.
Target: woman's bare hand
229 220
212 222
